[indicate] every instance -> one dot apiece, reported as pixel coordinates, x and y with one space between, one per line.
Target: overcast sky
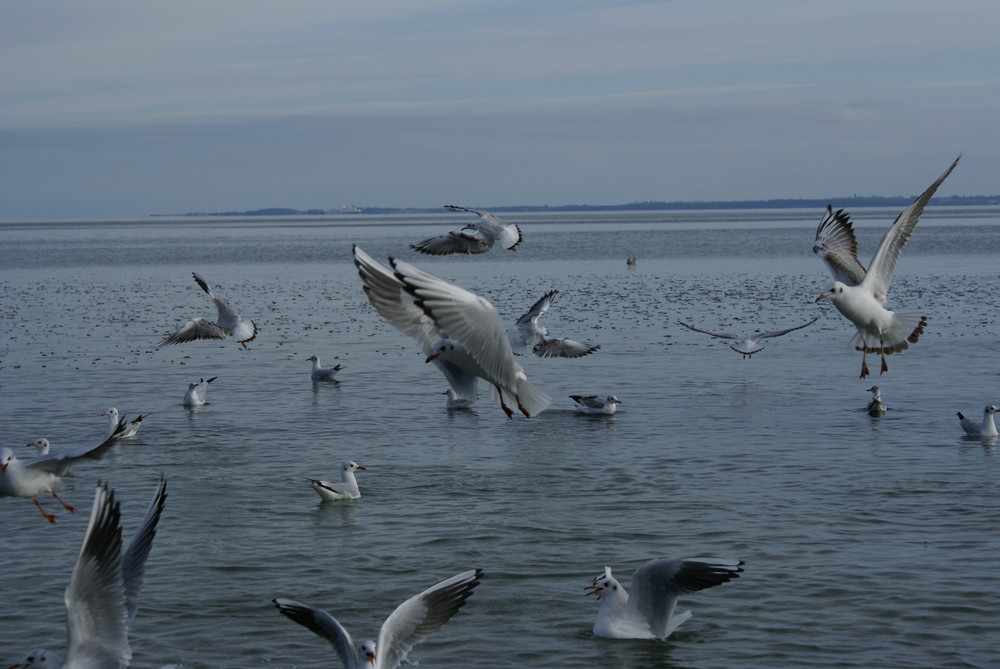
119 108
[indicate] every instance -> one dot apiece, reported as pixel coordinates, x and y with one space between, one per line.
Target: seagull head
312 358
41 444
991 409
367 651
111 412
351 466
443 347
601 583
6 457
834 292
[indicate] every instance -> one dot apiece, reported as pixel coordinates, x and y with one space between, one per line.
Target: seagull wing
59 463
778 333
465 318
592 401
467 240
493 228
838 247
134 557
721 335
657 584
228 317
538 308
198 328
322 624
96 614
563 348
884 263
419 616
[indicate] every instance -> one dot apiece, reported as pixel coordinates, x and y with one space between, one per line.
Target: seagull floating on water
596 404
478 237
409 624
455 327
323 373
196 392
456 402
30 478
102 598
876 407
648 612
987 428
227 325
528 335
42 445
858 293
748 344
131 427
346 489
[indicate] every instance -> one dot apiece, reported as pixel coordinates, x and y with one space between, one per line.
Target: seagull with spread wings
858 293
747 344
478 237
228 325
527 334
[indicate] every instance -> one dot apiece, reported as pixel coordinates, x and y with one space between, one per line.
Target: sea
867 541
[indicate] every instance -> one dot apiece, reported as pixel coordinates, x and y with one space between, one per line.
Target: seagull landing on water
347 488
529 335
409 624
876 407
320 373
478 237
102 598
30 478
228 324
596 404
987 428
648 611
748 344
458 330
858 293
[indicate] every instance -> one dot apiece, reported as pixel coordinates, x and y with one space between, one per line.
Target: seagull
30 478
876 407
323 373
478 237
346 489
985 429
411 622
103 594
648 613
529 335
229 324
596 404
456 402
131 427
858 293
195 395
748 344
454 327
42 445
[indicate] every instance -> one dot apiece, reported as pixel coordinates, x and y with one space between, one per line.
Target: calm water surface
867 541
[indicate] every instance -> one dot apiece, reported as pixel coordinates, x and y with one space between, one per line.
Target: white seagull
876 407
987 428
596 404
227 325
346 489
409 624
453 326
131 427
30 478
42 445
103 594
456 402
648 612
748 344
320 373
858 293
528 335
196 392
478 237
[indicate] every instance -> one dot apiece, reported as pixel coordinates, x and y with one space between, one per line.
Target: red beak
432 356
593 589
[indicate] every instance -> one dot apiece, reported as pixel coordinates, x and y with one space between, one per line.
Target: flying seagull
228 324
859 293
478 237
529 335
748 344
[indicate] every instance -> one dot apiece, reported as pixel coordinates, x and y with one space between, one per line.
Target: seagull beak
370 657
593 590
3 468
824 296
432 356
361 468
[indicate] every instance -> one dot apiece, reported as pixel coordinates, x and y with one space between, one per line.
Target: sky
118 109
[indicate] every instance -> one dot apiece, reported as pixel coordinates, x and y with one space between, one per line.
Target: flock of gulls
464 336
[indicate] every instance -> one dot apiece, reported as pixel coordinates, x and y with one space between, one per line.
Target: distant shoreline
852 202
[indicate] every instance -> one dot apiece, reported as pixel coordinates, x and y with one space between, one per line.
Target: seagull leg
523 410
881 350
506 409
864 363
68 507
48 516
